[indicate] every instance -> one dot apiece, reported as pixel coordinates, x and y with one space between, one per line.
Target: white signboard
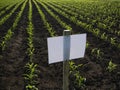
66 47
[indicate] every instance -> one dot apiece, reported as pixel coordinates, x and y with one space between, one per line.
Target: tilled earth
14 58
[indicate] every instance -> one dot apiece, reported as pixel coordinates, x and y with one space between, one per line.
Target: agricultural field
25 26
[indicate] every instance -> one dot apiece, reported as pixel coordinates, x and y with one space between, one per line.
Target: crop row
10 32
103 12
96 52
76 12
7 8
64 26
31 68
3 19
95 31
6 3
31 72
72 65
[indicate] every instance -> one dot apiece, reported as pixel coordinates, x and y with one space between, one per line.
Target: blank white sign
57 50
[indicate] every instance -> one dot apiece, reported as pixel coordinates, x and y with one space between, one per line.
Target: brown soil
14 58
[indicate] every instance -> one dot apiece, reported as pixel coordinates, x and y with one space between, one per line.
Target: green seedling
97 53
111 66
87 45
30 76
104 36
79 80
74 70
112 40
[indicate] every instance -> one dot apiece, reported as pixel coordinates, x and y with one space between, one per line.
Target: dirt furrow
50 77
90 62
8 11
9 22
95 42
55 25
14 57
3 8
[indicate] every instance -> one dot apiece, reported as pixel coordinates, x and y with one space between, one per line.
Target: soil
14 58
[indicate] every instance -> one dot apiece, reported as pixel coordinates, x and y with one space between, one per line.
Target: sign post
65 48
66 53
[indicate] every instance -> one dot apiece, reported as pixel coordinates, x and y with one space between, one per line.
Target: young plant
30 75
112 40
97 53
31 72
6 38
96 32
111 66
104 36
118 33
87 45
79 80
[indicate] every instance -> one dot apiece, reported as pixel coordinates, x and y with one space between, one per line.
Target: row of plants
63 24
105 37
31 72
96 52
46 24
76 73
89 28
76 14
6 9
79 80
94 22
102 11
10 31
3 19
5 3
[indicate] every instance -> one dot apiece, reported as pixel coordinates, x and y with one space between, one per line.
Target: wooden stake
66 54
